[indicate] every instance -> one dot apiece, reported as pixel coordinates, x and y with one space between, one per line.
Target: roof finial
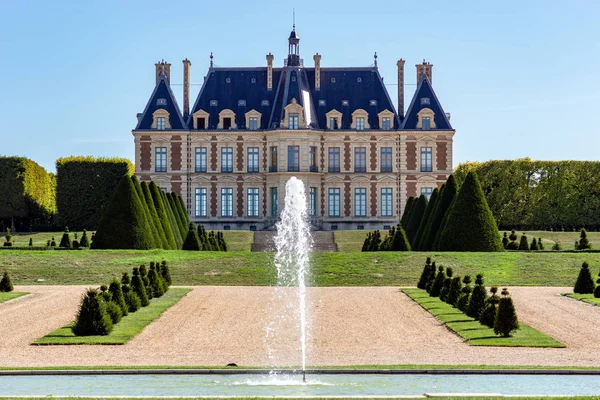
375 57
211 59
294 18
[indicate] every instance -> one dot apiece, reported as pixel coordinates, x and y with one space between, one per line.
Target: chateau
230 154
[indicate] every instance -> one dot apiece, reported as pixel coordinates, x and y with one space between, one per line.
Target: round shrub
114 312
488 315
431 277
584 283
131 299
446 285
506 317
524 244
437 284
6 284
92 318
478 297
465 294
138 287
425 274
455 290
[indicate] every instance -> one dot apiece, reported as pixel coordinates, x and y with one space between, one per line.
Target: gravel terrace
349 326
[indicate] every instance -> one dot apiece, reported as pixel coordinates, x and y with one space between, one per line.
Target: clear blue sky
521 78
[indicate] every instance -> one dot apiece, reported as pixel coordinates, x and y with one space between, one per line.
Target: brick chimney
400 65
317 59
424 68
186 87
269 71
163 66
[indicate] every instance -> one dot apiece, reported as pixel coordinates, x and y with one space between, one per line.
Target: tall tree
161 211
426 217
445 199
416 216
407 210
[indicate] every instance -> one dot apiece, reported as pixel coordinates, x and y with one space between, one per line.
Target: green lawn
588 298
312 398
5 296
94 267
126 329
236 240
475 333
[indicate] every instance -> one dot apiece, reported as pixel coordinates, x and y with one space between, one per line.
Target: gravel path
350 326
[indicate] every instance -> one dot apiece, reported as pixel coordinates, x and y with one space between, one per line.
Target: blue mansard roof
425 91
162 91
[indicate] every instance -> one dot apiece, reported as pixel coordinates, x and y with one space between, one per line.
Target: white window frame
161 123
387 202
360 202
201 197
160 159
253 160
426 159
201 160
227 160
253 197
226 202
334 202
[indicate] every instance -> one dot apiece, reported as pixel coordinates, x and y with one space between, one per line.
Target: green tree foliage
84 188
65 241
455 291
27 193
505 240
431 277
471 225
153 233
92 318
116 292
416 216
425 220
539 195
513 236
437 284
155 220
478 298
155 283
407 210
524 243
179 218
192 242
597 290
163 218
164 271
6 284
446 285
425 274
584 283
85 241
131 299
534 245
445 198
400 242
137 284
540 244
488 315
123 225
173 221
583 243
465 295
506 317
8 238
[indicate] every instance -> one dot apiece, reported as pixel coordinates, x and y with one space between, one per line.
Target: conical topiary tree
400 241
478 297
173 221
171 197
407 210
506 317
192 242
488 315
540 244
367 242
431 277
534 245
116 292
425 220
446 284
416 216
524 243
471 225
163 218
6 284
584 283
597 290
123 224
65 241
455 290
155 220
155 283
166 274
437 284
583 243
425 274
30 242
373 246
505 240
143 271
92 318
153 232
465 294
446 196
137 285
85 241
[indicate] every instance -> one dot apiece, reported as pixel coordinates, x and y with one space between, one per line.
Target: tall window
200 202
360 159
201 159
273 166
160 159
253 121
253 159
312 206
386 159
386 123
161 123
386 202
227 159
333 124
426 159
360 123
274 212
293 121
360 202
313 159
426 123
227 202
293 158
253 202
334 159
427 191
334 202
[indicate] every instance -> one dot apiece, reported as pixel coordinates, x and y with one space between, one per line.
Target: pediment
334 178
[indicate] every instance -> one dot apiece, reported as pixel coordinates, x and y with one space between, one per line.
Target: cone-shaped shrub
584 283
488 315
425 220
155 285
437 284
513 236
85 241
114 312
367 242
137 284
131 299
173 221
471 225
400 241
505 240
154 219
534 245
431 277
144 275
407 210
162 215
222 241
164 270
6 284
186 217
192 242
446 284
416 216
375 241
177 214
92 318
145 210
506 317
425 274
30 242
117 295
540 244
445 198
478 297
65 241
465 294
597 290
454 292
524 243
125 280
583 242
123 225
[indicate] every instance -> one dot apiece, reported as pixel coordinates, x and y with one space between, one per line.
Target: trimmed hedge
446 196
84 188
416 216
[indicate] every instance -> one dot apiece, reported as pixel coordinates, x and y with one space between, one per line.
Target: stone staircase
323 241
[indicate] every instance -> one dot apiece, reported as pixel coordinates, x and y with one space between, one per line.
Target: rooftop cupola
294 49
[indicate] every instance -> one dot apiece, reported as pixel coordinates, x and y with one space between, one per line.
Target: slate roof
425 91
162 90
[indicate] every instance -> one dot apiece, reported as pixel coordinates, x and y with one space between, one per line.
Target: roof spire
294 18
375 57
211 59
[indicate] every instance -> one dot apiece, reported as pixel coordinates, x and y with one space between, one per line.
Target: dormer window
332 80
426 123
161 123
253 123
426 119
293 121
253 118
386 123
360 120
425 101
200 119
160 120
294 116
241 103
227 119
359 79
228 80
386 120
334 119
333 123
360 123
293 79
161 102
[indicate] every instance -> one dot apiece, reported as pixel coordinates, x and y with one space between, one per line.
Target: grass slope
587 298
6 296
475 333
130 326
327 269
